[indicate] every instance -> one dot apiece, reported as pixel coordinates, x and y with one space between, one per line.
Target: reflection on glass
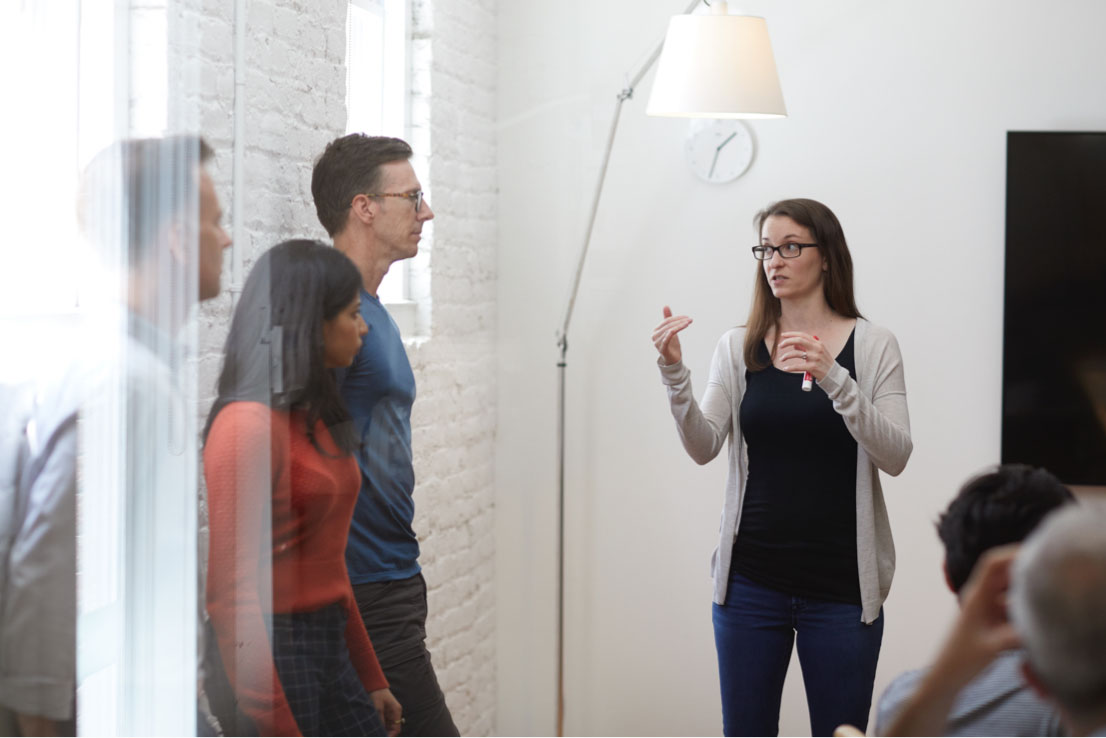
98 600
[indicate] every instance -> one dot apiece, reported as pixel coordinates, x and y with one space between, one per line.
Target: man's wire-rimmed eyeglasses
416 196
786 250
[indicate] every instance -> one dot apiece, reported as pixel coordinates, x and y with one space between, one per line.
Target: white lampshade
717 65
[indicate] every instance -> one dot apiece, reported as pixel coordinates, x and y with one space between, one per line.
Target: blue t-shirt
379 390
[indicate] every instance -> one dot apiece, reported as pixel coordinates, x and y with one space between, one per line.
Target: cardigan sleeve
703 427
240 467
880 425
361 649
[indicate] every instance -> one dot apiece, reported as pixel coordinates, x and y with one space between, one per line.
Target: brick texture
295 104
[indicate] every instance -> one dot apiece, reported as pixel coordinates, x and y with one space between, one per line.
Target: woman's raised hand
665 338
802 352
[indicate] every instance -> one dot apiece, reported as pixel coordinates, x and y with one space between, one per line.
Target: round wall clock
719 150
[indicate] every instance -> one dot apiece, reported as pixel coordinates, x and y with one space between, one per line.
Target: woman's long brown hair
837 280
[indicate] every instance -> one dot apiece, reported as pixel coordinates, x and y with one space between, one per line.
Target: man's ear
362 209
948 579
174 235
1034 681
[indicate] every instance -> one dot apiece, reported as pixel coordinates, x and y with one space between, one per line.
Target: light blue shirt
996 702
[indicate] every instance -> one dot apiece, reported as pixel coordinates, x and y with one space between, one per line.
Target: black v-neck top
798 522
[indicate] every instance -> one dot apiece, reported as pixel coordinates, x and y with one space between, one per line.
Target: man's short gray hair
1058 604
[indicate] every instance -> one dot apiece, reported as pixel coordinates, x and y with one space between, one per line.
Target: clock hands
717 151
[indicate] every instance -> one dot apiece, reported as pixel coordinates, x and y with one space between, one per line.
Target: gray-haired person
1058 605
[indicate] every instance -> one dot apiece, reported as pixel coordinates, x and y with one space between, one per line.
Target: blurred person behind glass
282 483
149 211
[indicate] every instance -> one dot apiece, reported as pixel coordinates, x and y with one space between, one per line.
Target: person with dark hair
282 482
369 199
149 211
805 551
1045 597
992 509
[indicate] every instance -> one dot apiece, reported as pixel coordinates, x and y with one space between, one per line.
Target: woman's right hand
665 338
389 710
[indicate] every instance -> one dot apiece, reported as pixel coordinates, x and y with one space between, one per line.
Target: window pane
376 90
365 68
393 288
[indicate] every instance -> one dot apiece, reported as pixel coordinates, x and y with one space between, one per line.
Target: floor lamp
713 65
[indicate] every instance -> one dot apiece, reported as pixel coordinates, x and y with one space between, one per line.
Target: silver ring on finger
804 356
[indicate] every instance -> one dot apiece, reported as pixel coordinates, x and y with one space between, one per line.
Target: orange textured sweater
255 458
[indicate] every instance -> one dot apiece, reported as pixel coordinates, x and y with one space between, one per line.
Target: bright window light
377 91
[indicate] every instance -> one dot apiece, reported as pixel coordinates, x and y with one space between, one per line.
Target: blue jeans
754 631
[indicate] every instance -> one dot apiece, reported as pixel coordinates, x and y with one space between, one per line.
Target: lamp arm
623 96
562 343
562 335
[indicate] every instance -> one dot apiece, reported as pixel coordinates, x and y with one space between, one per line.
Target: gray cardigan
874 410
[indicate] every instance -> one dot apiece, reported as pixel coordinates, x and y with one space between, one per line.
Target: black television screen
1054 333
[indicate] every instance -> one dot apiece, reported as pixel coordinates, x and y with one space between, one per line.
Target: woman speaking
805 548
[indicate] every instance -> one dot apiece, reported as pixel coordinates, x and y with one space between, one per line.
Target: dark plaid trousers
319 680
313 665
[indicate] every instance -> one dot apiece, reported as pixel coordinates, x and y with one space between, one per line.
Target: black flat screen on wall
1054 347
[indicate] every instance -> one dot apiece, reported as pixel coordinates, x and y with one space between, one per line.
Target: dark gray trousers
395 617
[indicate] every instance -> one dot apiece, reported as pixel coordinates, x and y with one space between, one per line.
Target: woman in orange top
282 484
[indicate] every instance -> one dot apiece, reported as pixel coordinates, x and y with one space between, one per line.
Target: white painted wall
898 115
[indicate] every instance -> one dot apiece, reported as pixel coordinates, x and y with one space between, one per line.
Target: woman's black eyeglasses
786 250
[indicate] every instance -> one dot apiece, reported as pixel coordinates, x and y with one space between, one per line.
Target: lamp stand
562 344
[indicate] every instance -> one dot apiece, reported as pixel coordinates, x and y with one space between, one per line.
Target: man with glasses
368 198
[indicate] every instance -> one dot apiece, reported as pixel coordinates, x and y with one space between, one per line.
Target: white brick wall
295 90
456 411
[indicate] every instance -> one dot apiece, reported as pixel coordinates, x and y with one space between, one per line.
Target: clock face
719 150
